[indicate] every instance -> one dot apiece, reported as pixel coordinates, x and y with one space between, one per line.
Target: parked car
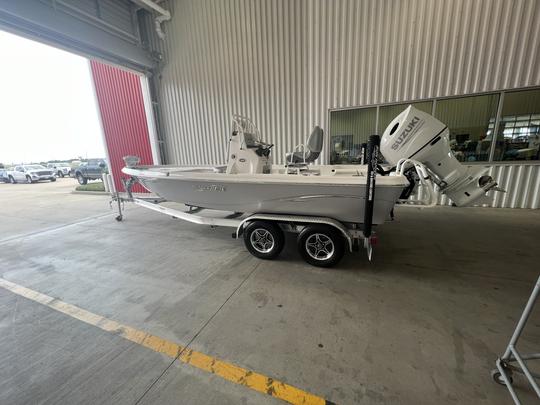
30 174
74 164
60 169
4 176
90 170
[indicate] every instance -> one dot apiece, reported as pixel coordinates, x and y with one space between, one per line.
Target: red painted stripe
121 105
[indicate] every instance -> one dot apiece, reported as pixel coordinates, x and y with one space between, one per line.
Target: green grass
94 186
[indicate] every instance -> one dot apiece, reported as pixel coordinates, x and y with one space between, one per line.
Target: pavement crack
201 329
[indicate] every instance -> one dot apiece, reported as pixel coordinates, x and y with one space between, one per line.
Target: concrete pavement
423 323
44 205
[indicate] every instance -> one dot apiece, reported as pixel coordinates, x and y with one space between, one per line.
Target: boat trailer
321 240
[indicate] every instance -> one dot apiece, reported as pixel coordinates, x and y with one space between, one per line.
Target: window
471 121
518 137
348 131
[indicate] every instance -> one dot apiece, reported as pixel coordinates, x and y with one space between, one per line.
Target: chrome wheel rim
262 240
319 246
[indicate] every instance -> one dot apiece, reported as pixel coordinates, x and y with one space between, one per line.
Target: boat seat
310 152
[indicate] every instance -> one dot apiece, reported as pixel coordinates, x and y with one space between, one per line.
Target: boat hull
343 202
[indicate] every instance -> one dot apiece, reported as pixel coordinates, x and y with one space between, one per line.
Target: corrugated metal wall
103 29
123 117
114 14
521 182
285 63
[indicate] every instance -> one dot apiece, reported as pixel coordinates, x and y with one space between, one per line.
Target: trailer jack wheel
497 377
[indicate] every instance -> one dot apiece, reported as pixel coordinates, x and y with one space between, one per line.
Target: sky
47 104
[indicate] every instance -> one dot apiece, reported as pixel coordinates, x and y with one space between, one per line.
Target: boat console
248 154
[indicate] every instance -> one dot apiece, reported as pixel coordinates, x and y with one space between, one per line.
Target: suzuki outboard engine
416 138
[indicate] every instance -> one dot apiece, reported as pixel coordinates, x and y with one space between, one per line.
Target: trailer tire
264 240
321 245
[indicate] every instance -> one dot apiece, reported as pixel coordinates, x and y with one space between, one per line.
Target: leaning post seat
310 151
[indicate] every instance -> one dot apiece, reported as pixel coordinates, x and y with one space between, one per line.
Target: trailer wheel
264 240
321 245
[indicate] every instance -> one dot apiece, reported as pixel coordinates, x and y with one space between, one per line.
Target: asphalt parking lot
423 323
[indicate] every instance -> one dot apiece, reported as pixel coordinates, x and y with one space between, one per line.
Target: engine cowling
417 135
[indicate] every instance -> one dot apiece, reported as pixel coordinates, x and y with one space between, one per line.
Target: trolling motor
417 140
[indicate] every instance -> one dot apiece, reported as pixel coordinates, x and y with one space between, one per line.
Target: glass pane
388 112
523 141
468 119
348 130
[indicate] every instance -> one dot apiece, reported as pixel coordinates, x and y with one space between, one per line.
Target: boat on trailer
330 207
250 183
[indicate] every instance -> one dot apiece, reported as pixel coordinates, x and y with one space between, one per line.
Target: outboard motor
417 137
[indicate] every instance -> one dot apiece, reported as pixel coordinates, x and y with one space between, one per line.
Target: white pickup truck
60 169
30 174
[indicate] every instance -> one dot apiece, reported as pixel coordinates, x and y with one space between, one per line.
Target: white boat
337 192
328 206
249 183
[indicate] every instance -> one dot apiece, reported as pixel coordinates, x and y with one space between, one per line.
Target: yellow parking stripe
230 372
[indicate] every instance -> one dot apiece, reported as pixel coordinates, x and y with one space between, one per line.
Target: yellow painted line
230 372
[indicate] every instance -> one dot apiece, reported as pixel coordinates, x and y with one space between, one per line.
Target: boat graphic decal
209 187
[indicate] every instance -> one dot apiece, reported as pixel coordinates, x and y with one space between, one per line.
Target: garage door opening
68 120
50 124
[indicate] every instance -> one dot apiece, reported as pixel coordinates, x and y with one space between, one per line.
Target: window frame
433 101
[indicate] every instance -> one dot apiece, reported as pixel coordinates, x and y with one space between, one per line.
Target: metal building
152 310
290 65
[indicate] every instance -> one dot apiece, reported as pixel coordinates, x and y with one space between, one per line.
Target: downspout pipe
158 21
164 15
